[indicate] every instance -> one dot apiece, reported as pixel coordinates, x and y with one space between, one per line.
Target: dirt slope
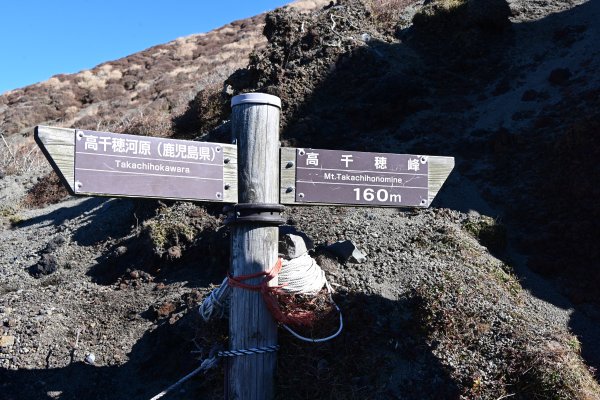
448 304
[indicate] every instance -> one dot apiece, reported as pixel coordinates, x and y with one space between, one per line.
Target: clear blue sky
41 38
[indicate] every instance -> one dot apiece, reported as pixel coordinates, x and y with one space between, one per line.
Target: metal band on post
254 212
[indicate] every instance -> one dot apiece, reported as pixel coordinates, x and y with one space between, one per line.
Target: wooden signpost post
119 165
254 244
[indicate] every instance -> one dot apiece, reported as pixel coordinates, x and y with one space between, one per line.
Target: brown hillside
158 80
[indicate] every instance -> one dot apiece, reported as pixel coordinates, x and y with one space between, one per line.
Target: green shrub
489 232
171 227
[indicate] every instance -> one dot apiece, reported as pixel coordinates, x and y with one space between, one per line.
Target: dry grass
88 80
185 48
389 13
555 371
17 159
141 123
171 228
488 231
440 14
307 5
205 112
496 348
157 80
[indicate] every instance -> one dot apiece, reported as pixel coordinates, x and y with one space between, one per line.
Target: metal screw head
79 135
423 202
217 149
423 159
78 185
289 164
219 195
301 195
301 152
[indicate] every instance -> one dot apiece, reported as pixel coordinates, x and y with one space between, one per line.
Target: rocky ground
430 314
98 296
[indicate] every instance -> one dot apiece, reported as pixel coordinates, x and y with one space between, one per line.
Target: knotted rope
271 295
301 275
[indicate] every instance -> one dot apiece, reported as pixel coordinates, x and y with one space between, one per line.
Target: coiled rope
216 303
301 275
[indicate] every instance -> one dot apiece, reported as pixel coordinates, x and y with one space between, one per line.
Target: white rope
216 303
248 352
302 275
212 361
321 340
298 275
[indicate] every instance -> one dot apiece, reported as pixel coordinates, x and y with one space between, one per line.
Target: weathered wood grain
439 170
253 249
287 187
58 145
230 174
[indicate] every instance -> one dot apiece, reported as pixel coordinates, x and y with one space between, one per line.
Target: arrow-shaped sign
119 165
316 176
111 164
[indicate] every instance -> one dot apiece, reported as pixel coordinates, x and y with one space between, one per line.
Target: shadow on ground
63 214
381 354
204 261
159 358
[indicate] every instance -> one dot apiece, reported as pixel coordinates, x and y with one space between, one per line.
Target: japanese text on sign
118 164
104 144
343 177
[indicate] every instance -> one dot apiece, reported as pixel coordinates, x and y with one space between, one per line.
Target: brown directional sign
317 176
128 165
112 164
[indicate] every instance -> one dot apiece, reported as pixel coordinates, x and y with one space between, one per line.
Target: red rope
272 295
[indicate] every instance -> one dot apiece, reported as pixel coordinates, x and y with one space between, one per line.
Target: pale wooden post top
256 98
